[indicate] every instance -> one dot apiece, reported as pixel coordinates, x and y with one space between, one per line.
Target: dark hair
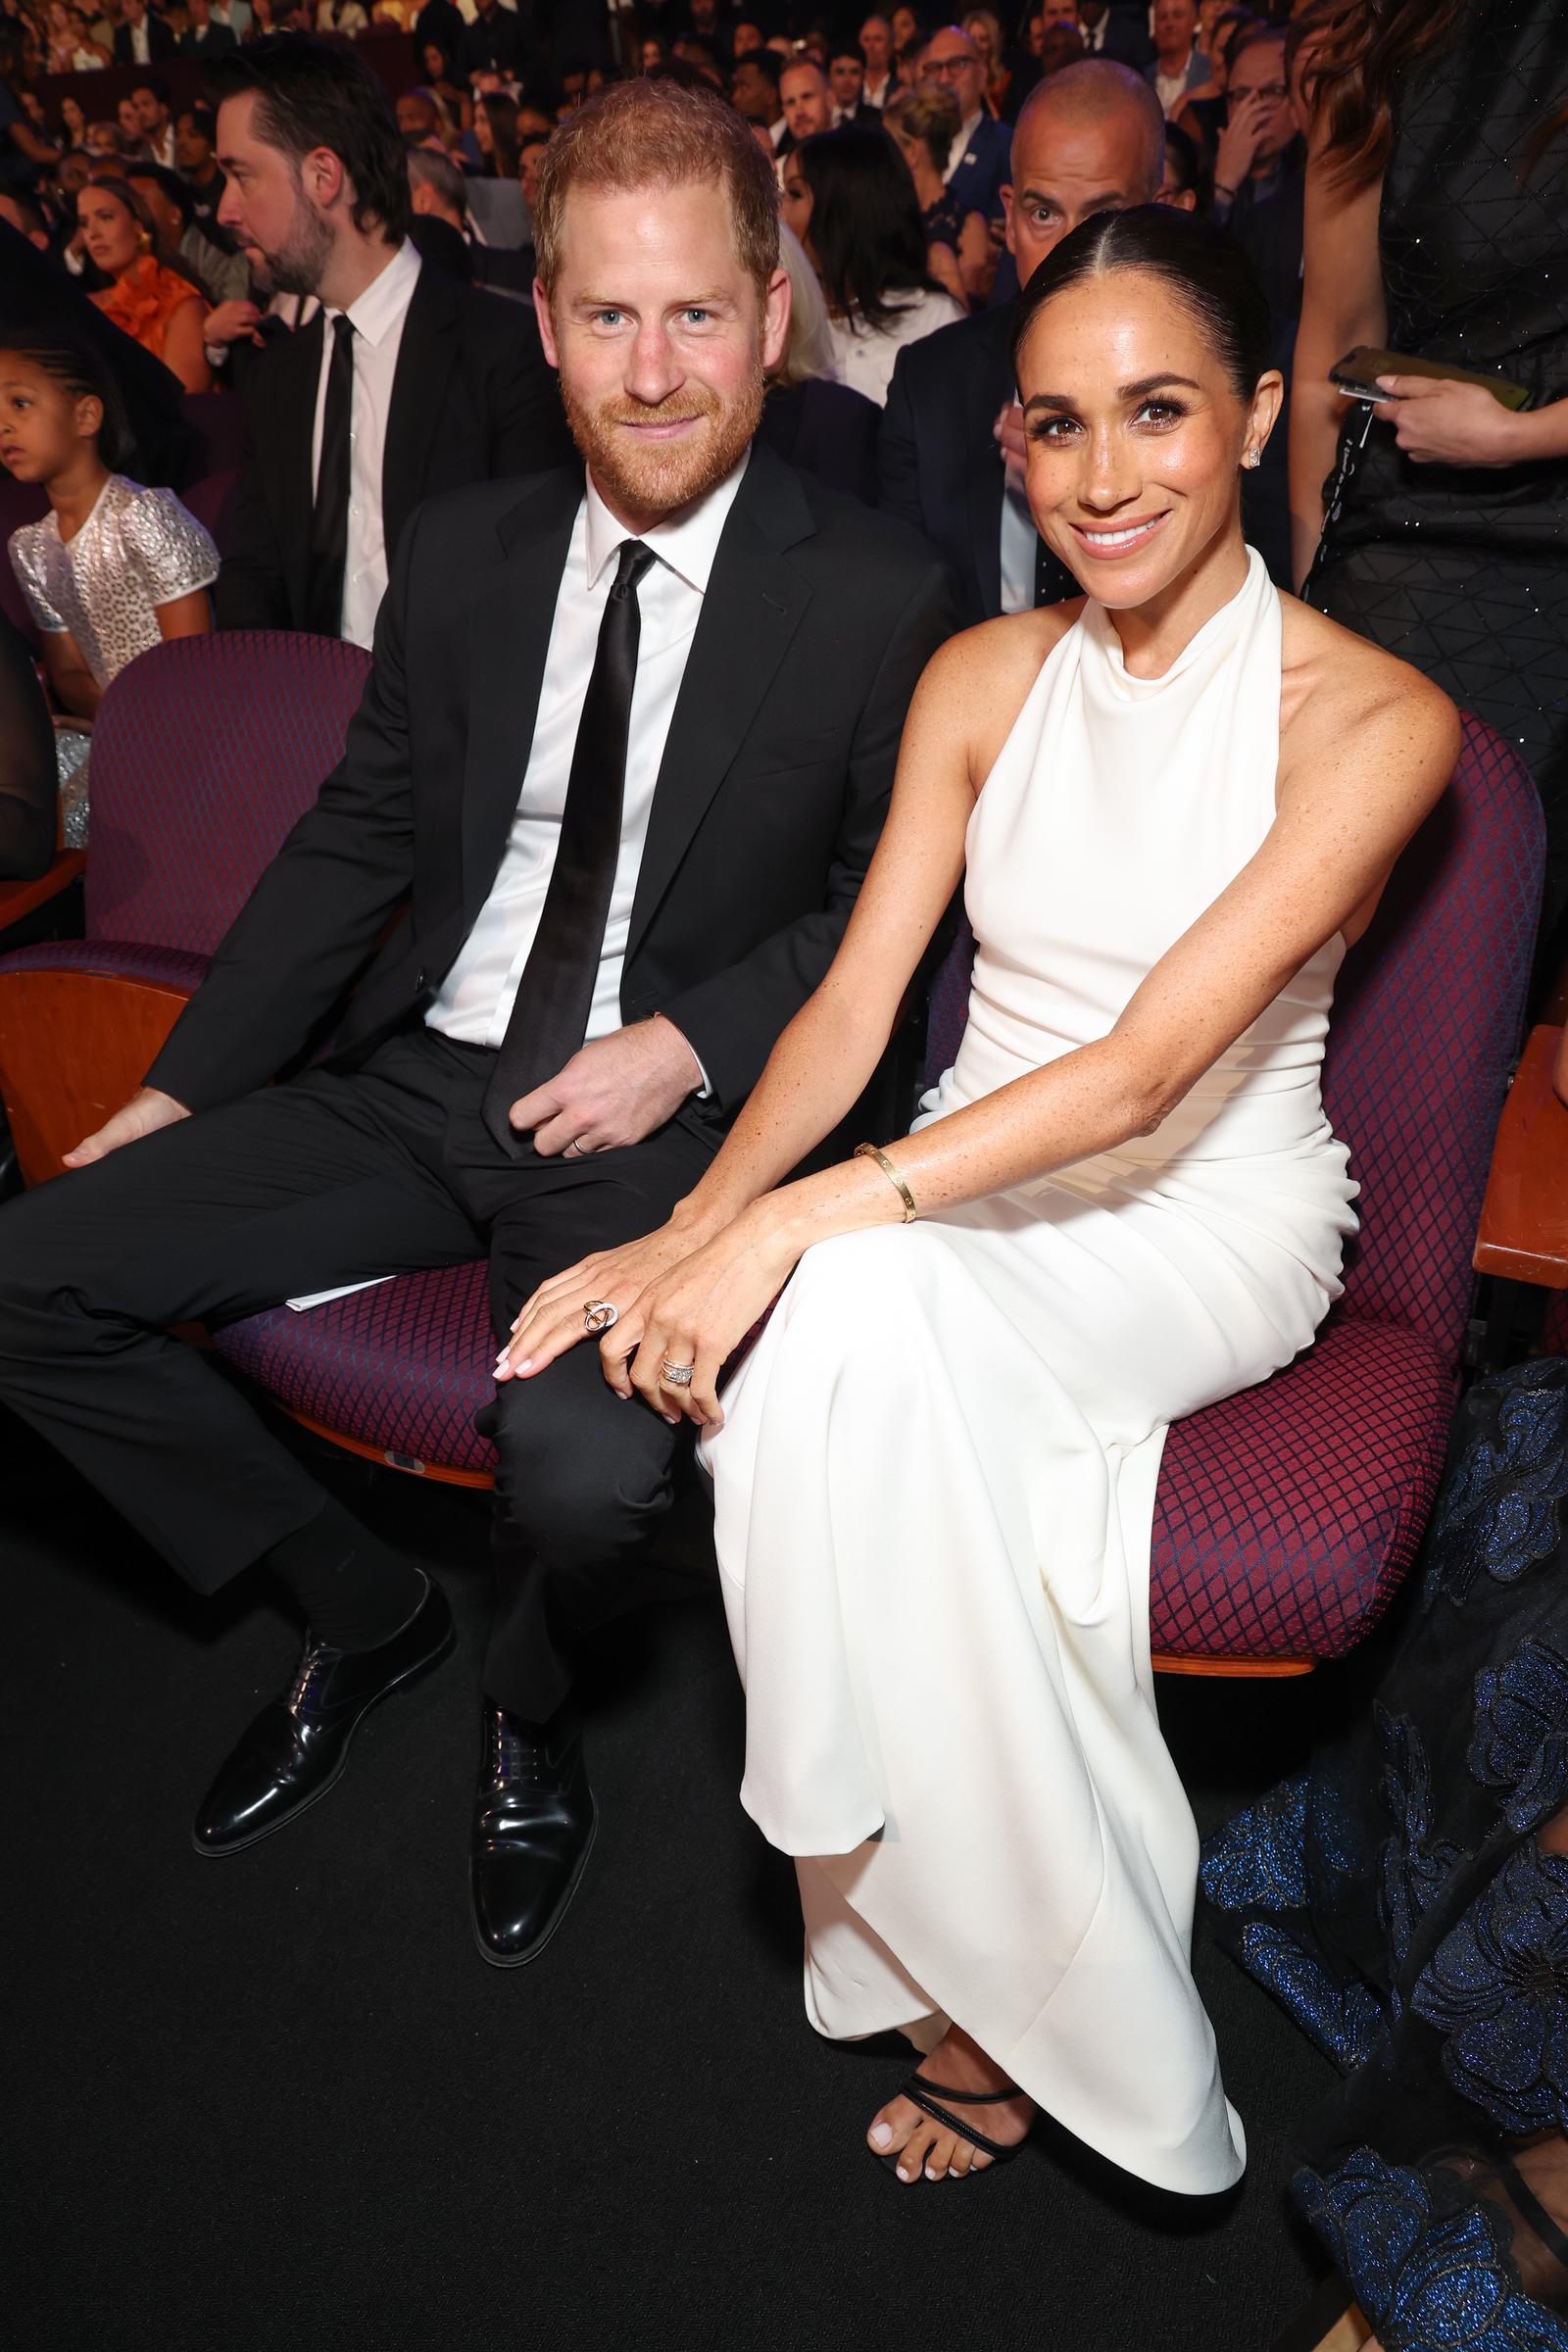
501 112
204 121
768 62
1208 274
867 230
838 49
150 81
79 367
312 93
169 183
1184 161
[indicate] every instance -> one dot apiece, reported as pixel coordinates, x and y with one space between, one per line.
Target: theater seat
204 750
1286 1516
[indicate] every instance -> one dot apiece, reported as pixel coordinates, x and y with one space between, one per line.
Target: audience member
746 38
876 49
438 191
204 36
155 304
977 161
538 1101
443 85
225 277
1090 139
25 215
851 203
909 33
1259 155
140 38
1184 182
1059 45
753 93
29 776
113 568
1439 173
149 99
530 156
345 18
1178 65
804 94
72 121
497 40
846 78
130 137
196 161
922 123
420 384
808 416
1113 33
1009 80
495 135
1202 113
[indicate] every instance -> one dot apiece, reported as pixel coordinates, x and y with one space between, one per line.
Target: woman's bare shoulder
979 681
1342 695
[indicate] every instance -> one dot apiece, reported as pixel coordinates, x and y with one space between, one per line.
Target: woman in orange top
155 305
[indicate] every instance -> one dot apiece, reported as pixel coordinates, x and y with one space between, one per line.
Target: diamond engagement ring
599 1314
679 1376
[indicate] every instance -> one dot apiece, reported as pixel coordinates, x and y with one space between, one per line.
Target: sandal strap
1549 2233
914 2091
970 2098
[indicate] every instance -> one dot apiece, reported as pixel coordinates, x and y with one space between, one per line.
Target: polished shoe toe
296 1747
533 1831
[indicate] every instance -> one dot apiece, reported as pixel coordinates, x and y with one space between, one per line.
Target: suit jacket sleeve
733 1021
897 457
318 912
252 592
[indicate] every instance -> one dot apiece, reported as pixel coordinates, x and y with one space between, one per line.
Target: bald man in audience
1089 140
808 102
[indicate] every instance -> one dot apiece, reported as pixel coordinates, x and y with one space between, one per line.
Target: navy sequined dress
1397 1900
1462 571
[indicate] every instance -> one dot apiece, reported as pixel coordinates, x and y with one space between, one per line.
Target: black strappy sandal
919 2089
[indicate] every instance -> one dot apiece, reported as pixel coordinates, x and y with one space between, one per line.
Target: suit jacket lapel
988 388
419 388
512 607
751 609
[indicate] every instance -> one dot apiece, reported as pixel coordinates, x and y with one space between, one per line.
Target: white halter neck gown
935 1484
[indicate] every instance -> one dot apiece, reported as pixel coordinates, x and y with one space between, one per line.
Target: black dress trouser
332 1177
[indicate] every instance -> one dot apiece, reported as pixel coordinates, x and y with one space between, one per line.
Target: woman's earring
1253 456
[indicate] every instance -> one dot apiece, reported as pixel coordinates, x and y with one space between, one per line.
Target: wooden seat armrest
1523 1217
73 1047
18 899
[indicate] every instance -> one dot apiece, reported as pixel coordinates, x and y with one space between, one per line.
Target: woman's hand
552 1321
697 1314
1438 422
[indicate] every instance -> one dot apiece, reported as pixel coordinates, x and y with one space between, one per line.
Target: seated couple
646 968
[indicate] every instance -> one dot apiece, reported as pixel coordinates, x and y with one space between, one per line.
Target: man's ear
323 179
776 320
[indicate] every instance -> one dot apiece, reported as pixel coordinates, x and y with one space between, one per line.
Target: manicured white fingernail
881 2133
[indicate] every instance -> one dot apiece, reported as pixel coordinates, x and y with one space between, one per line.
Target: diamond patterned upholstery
1286 1516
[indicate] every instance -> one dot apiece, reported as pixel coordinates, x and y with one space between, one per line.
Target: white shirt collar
688 542
385 301
967 130
776 131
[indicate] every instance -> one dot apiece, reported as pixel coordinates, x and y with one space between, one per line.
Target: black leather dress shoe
533 1830
296 1748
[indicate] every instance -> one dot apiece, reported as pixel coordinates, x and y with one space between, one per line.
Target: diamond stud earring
1253 456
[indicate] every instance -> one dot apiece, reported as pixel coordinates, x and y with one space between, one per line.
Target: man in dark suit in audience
141 38
1089 140
405 382
977 163
603 817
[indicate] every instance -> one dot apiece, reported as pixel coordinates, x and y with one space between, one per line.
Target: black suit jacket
161 42
211 40
473 400
818 620
827 429
939 464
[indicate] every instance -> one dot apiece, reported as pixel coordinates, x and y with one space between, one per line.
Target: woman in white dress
934 1473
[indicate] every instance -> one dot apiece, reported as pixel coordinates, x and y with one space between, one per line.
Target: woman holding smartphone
1436 224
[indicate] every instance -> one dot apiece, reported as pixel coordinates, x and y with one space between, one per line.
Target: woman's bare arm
1342 304
74 687
184 348
186 615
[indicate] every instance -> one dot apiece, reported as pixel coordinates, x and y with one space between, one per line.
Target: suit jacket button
421 983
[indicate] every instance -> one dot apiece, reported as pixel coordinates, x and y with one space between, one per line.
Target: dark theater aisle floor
278 2102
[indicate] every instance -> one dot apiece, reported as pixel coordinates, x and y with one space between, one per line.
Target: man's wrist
701 1084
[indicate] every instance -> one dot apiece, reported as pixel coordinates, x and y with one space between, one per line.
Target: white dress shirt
1019 548
959 147
377 316
141 44
475 999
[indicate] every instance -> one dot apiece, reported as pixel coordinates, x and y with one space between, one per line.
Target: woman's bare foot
921 2144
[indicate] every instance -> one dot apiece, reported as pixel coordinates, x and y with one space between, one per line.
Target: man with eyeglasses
978 159
1260 168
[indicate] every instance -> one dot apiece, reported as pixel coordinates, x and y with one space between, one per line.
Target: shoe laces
310 1680
515 1758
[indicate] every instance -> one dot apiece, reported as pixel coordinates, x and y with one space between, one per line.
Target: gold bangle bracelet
874 1152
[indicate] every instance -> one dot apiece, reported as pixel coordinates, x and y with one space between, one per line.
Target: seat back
1426 1021
205 752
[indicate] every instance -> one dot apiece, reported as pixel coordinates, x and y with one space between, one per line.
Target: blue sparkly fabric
1394 1900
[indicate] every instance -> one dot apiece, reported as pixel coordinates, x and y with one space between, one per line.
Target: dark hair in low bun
80 368
1203 265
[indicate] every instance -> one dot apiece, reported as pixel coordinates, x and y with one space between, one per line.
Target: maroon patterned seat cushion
113 959
403 1367
1286 1516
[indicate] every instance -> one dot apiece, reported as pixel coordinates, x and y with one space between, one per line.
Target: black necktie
549 1017
330 516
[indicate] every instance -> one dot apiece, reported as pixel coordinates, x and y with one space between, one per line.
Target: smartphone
1357 372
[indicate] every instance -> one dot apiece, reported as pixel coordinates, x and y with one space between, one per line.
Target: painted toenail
881 2133
904 2176
931 2172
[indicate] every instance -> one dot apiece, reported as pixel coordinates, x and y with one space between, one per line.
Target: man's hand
231 323
1007 432
145 1112
613 1092
1241 139
1438 422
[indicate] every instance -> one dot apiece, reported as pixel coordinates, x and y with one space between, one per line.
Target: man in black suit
204 36
603 816
141 38
1089 140
405 382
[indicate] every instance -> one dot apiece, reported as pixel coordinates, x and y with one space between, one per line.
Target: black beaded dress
1463 571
